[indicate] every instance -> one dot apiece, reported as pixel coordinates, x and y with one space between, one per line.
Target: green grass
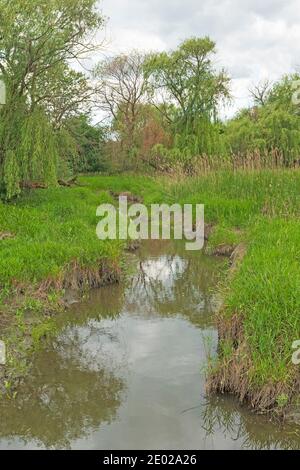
239 198
149 189
265 290
54 227
51 228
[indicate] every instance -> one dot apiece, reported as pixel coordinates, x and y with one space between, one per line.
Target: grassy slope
261 317
54 236
57 226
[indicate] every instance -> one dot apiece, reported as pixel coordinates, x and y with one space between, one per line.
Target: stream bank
127 368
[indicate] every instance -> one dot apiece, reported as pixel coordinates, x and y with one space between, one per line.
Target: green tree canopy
188 89
273 125
38 41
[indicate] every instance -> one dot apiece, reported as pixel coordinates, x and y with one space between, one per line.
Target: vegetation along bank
52 246
149 124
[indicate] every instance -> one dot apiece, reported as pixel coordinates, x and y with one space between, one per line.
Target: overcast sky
256 39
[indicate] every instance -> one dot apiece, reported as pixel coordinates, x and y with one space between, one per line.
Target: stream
128 369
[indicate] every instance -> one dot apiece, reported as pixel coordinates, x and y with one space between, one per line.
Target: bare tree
121 89
260 92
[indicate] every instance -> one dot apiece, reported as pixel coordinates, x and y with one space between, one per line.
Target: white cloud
255 39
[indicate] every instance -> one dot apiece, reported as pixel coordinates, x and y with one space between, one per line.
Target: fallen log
32 185
69 183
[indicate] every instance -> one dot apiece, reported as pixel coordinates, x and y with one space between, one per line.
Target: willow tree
38 39
188 89
272 126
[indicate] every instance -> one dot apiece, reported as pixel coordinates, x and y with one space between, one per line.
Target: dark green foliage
272 126
37 40
90 143
189 81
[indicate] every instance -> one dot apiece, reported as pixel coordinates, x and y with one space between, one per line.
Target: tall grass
265 290
52 228
251 160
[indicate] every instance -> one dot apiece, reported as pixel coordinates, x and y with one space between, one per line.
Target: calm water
128 369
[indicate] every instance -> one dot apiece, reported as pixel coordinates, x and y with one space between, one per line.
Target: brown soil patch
6 235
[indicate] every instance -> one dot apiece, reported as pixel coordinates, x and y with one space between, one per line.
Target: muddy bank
128 366
29 315
231 373
124 369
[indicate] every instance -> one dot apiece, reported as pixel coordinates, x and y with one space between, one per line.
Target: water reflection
61 402
172 281
249 430
125 373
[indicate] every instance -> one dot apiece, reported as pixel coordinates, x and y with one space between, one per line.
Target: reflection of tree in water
251 431
171 283
60 402
69 392
76 385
